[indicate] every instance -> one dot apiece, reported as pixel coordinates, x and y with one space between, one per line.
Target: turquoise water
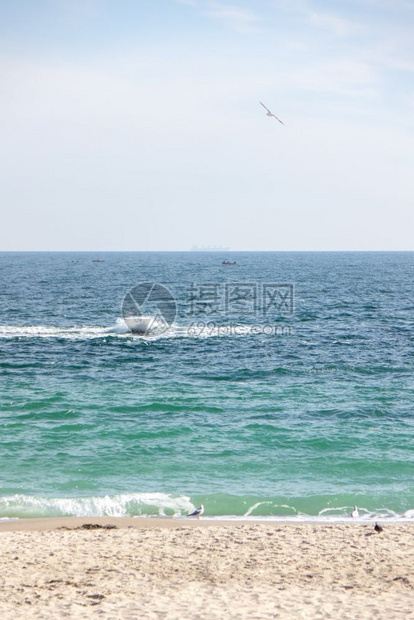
301 413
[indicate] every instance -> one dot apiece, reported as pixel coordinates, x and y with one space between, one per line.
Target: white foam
46 331
252 508
76 332
409 514
122 505
143 505
121 329
269 503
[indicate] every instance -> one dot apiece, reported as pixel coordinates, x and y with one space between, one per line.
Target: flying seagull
269 113
378 528
354 513
197 512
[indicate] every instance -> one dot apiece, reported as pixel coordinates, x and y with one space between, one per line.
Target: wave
217 506
122 505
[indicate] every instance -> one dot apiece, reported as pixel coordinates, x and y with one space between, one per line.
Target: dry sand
152 568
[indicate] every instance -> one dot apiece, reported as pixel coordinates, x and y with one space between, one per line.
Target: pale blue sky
136 125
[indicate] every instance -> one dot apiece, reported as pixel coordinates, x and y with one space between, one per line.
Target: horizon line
218 251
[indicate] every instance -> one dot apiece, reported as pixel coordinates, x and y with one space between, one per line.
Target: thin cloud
342 77
386 4
400 65
338 26
233 14
188 2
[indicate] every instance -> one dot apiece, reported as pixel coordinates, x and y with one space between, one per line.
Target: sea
278 387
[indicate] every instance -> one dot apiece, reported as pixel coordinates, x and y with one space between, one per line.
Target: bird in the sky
269 113
197 512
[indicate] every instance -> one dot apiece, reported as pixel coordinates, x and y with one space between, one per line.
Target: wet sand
176 568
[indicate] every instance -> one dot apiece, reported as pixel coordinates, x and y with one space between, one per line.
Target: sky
136 125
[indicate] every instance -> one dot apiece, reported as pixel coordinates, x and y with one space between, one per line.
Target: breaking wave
218 506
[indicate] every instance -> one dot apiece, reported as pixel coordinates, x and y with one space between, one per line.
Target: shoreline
43 524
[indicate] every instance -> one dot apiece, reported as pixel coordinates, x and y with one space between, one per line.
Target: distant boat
144 325
98 260
208 248
229 262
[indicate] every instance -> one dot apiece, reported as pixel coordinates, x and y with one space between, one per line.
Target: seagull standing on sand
269 113
378 528
197 512
354 513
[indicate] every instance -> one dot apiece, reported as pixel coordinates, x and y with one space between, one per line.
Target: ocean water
283 388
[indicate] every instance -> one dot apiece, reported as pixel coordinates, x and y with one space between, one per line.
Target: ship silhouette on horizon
209 248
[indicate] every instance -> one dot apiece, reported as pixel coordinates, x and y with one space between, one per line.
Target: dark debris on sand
96 526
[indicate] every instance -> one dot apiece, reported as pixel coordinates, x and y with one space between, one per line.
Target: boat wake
121 329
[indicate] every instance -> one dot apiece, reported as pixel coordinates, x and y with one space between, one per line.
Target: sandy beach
165 568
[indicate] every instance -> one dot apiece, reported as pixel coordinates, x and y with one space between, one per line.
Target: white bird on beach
269 113
354 513
197 512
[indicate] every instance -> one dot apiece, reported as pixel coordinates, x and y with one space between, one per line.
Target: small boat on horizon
98 260
229 262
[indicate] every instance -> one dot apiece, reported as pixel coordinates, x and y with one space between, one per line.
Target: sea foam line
122 505
175 506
